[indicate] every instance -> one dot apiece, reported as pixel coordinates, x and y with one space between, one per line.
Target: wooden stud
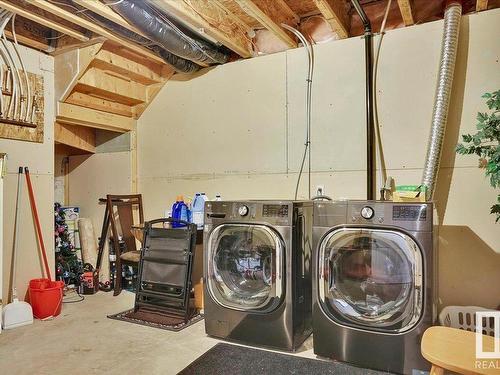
42 20
80 137
108 13
68 16
335 13
99 104
271 14
406 12
113 87
213 20
77 115
481 5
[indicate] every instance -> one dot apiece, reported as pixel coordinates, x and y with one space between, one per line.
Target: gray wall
238 130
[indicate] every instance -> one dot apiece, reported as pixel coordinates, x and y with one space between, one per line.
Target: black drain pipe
370 128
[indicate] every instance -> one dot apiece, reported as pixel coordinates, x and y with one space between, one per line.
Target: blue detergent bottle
179 212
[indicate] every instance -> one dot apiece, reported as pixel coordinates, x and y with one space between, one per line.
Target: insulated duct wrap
449 46
164 32
178 63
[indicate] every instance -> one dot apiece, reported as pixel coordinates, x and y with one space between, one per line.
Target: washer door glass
245 266
371 278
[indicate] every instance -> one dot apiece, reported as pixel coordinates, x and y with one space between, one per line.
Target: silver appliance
257 272
374 285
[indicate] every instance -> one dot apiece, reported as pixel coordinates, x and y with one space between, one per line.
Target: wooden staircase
103 86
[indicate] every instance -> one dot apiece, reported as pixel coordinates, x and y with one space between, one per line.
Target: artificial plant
486 144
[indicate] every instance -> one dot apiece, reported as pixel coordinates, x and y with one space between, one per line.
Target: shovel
17 313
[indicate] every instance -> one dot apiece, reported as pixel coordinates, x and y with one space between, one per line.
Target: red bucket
46 297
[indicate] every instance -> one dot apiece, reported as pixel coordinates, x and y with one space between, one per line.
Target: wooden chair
455 350
121 213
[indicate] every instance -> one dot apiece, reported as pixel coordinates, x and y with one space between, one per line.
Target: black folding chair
165 268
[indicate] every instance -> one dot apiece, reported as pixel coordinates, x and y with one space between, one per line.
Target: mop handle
37 221
16 232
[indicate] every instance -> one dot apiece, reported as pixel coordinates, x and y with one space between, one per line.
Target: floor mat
155 319
226 359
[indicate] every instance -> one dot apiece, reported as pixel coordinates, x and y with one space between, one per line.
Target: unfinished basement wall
239 129
39 157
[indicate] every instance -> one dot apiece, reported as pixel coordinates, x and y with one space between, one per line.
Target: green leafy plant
486 144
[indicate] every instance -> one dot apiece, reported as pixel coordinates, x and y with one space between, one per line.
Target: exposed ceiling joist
271 14
213 20
43 21
108 13
335 12
481 5
406 12
68 16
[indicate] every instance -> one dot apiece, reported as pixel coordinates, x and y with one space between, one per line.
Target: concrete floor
82 340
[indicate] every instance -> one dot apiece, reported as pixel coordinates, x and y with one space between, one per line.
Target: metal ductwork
370 128
449 46
163 31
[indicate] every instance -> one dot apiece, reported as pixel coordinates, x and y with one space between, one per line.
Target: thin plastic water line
310 72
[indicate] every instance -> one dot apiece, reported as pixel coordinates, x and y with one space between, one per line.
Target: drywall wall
239 129
39 157
94 176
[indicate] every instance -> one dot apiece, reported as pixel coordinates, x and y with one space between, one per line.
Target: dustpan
17 313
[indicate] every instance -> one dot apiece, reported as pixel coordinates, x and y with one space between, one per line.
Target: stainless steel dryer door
371 279
246 267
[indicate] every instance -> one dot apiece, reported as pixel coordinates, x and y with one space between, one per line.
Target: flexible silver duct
449 46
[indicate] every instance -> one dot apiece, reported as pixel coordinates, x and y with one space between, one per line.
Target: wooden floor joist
271 14
335 13
406 12
213 20
481 5
108 13
68 16
18 9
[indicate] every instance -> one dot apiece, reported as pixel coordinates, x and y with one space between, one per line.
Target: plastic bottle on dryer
198 209
180 212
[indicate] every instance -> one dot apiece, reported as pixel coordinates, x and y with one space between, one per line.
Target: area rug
226 359
155 319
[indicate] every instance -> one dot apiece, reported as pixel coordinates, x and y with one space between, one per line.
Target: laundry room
250 187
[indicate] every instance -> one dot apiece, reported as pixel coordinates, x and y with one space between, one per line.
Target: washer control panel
275 210
366 212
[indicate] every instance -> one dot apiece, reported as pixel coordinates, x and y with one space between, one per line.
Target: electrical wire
74 299
114 3
379 150
309 80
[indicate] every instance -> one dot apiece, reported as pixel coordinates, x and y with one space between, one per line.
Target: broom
17 313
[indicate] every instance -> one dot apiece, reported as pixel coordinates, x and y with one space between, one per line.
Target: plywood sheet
25 133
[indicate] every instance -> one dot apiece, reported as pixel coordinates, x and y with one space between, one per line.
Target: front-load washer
257 272
374 284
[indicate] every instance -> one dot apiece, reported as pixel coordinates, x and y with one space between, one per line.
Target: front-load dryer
257 272
374 284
